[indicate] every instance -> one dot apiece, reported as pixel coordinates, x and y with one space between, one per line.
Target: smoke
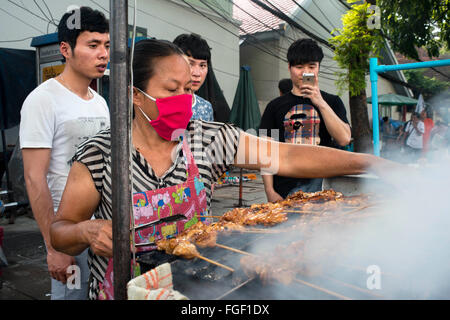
406 242
396 250
410 239
440 103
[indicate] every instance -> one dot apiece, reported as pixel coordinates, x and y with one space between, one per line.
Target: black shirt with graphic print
300 122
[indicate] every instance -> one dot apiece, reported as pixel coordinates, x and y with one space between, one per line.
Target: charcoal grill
200 280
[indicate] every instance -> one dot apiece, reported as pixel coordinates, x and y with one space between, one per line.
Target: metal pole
120 132
374 70
240 188
375 120
5 160
415 65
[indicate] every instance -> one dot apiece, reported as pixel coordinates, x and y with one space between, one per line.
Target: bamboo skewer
235 288
353 287
302 212
365 270
371 205
233 249
264 230
259 231
322 289
358 209
362 215
214 262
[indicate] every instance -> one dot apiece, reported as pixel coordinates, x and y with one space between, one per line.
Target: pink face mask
174 115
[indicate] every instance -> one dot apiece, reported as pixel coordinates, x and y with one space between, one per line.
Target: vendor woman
172 175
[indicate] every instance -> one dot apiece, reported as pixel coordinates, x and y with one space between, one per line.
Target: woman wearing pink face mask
172 175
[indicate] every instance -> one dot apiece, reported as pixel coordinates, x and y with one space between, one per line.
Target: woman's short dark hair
89 20
303 51
146 53
193 45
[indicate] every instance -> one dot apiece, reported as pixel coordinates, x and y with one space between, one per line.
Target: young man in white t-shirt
414 131
56 117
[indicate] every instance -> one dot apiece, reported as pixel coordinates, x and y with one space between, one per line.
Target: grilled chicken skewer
183 245
188 250
201 235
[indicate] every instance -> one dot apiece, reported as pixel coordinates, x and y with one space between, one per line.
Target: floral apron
188 198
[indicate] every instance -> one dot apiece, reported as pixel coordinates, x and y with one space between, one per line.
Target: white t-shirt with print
415 140
54 117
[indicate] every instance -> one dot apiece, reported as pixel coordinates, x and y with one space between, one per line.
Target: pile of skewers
286 261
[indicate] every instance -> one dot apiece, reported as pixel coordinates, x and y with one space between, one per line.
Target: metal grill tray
199 279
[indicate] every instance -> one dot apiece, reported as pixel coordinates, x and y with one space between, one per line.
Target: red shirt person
429 124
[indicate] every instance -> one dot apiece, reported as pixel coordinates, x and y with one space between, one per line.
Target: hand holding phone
309 88
308 78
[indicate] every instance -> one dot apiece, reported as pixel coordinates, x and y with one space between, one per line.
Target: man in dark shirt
306 115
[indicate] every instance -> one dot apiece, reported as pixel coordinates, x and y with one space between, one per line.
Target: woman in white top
414 141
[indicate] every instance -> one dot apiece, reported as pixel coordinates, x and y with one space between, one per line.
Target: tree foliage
429 86
413 24
353 45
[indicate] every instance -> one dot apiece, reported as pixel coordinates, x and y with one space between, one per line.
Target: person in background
199 55
163 163
388 132
429 124
439 140
56 117
414 131
305 115
401 137
284 86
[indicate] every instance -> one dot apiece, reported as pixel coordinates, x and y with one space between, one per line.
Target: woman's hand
273 196
98 233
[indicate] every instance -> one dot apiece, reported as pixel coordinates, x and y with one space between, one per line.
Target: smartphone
308 78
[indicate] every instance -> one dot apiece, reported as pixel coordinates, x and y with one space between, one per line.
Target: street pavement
26 276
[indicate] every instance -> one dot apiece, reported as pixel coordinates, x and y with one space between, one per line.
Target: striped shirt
213 146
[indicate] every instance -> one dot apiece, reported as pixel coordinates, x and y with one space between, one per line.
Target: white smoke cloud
406 238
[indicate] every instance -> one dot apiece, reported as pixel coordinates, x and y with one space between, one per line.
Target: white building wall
265 71
163 19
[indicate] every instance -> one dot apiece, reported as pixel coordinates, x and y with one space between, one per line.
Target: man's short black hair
303 51
285 85
89 20
193 45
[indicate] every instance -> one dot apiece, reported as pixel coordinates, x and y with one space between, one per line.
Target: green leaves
429 86
413 24
353 47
